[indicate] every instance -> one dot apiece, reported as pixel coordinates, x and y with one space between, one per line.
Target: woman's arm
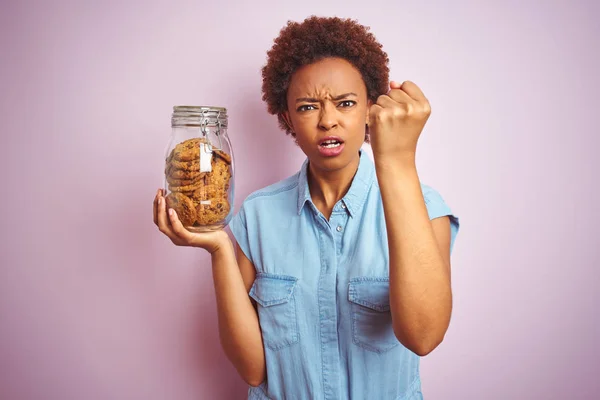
239 329
420 291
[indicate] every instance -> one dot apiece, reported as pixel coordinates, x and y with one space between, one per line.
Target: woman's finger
395 85
163 222
400 96
155 207
177 227
413 91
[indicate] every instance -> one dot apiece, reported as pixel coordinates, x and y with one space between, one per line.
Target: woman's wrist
221 244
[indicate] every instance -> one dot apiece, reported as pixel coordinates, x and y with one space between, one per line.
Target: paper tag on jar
205 157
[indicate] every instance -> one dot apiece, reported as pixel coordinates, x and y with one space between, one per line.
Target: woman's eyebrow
336 98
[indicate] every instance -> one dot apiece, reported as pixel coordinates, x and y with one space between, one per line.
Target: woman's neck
328 187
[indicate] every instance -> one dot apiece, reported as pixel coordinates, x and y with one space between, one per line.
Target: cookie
189 166
207 192
184 182
183 174
220 153
169 158
188 150
184 206
188 188
216 211
220 174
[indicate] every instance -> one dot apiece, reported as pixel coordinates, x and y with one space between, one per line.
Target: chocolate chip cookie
220 174
209 214
184 206
187 188
187 150
220 153
183 174
207 192
184 182
188 166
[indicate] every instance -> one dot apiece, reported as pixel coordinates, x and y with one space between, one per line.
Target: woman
342 277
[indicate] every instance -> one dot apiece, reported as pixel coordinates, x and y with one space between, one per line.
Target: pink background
96 304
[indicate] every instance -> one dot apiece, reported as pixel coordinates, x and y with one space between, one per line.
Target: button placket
338 226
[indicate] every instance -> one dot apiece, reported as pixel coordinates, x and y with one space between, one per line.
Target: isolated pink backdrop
96 304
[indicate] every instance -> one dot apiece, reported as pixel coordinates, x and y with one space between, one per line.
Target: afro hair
314 39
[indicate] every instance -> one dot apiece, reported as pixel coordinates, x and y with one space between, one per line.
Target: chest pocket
371 317
276 309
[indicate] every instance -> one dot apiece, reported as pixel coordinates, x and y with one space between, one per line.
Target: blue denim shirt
322 291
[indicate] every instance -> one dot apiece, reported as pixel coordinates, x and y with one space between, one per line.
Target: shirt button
343 206
339 228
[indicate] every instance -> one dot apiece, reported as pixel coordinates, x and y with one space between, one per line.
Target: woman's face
328 111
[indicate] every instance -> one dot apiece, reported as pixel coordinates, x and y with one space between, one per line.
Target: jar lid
199 116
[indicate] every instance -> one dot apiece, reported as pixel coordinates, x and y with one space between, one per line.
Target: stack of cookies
199 198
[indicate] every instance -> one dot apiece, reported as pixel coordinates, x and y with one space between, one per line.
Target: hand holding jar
199 169
169 224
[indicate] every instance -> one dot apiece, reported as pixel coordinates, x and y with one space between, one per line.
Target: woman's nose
328 118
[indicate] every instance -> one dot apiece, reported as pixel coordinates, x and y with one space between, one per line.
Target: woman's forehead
333 75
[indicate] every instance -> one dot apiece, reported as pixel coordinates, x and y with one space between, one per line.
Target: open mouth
331 143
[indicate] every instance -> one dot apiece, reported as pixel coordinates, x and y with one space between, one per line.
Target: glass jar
199 168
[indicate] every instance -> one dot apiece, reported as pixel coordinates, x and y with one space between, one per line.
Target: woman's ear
369 104
286 117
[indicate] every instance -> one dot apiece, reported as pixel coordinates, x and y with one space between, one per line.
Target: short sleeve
239 229
437 207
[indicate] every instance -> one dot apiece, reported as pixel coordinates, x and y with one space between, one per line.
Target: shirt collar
355 198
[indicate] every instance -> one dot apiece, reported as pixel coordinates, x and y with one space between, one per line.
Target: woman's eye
347 103
305 107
